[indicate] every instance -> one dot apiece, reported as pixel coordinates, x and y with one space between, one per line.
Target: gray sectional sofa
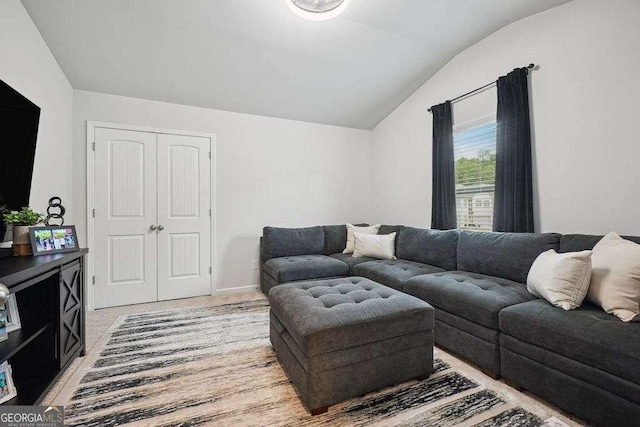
584 361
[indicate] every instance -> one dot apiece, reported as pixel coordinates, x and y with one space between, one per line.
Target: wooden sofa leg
318 411
490 373
513 384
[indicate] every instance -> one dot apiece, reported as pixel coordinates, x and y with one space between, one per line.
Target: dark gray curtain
443 202
513 210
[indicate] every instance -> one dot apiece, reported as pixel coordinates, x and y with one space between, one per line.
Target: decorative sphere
4 293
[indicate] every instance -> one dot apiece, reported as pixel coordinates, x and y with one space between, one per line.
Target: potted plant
21 221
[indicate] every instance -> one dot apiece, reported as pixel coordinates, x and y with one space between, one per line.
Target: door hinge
210 269
209 154
93 280
93 212
209 212
93 146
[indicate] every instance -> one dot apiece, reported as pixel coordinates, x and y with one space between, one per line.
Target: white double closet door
152 226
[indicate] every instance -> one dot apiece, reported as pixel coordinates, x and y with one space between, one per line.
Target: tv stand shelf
49 292
18 339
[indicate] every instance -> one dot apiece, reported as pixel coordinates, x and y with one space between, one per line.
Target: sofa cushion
585 242
302 267
506 255
351 229
475 297
615 278
378 246
330 315
335 238
281 242
432 247
587 334
393 273
561 279
388 229
350 260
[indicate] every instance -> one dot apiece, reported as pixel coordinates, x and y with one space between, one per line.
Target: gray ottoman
341 338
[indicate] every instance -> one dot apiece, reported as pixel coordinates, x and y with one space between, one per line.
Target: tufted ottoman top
334 314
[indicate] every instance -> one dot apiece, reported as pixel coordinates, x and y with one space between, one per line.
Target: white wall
585 113
585 105
27 65
269 172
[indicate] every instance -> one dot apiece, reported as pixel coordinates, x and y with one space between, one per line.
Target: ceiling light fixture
317 10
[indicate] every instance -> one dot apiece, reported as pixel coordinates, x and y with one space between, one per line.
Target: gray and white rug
215 365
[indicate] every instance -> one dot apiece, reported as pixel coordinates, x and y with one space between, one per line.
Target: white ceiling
257 57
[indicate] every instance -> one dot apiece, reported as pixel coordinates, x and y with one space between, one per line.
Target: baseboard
226 291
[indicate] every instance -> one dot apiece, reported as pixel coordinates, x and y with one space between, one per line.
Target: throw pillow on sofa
615 280
373 229
381 246
561 279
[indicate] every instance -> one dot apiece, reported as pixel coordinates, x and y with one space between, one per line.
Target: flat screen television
19 120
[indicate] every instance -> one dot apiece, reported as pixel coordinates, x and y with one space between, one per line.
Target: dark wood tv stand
49 293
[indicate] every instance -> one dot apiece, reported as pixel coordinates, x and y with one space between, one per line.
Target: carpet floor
211 365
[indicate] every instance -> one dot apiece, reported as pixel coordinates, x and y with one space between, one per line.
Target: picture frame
4 335
53 239
7 388
10 309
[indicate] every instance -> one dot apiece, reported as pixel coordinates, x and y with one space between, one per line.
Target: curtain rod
529 67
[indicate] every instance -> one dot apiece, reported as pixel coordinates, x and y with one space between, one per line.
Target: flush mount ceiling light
317 10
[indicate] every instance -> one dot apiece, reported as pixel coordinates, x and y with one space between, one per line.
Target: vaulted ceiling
257 57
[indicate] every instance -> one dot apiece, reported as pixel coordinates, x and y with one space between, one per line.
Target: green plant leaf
25 216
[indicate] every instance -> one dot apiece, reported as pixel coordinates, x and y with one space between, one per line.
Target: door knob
152 227
160 228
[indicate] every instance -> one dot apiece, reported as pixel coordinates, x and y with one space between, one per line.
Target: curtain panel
443 202
513 200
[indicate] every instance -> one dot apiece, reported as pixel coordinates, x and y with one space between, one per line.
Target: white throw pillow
561 279
381 246
372 229
615 280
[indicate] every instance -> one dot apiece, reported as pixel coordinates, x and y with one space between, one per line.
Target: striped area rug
215 366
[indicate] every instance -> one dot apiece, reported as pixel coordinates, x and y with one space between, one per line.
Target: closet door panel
184 235
125 246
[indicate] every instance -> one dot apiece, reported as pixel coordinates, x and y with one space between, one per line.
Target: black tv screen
19 120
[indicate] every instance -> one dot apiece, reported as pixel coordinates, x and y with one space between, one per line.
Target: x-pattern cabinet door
71 328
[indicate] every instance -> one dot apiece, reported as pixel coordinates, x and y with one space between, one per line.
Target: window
474 146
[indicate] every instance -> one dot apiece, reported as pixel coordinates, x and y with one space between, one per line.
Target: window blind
474 146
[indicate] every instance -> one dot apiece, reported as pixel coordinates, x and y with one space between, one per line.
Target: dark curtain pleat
443 203
513 210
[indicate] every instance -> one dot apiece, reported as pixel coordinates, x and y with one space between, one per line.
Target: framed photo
10 310
7 389
4 335
53 240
